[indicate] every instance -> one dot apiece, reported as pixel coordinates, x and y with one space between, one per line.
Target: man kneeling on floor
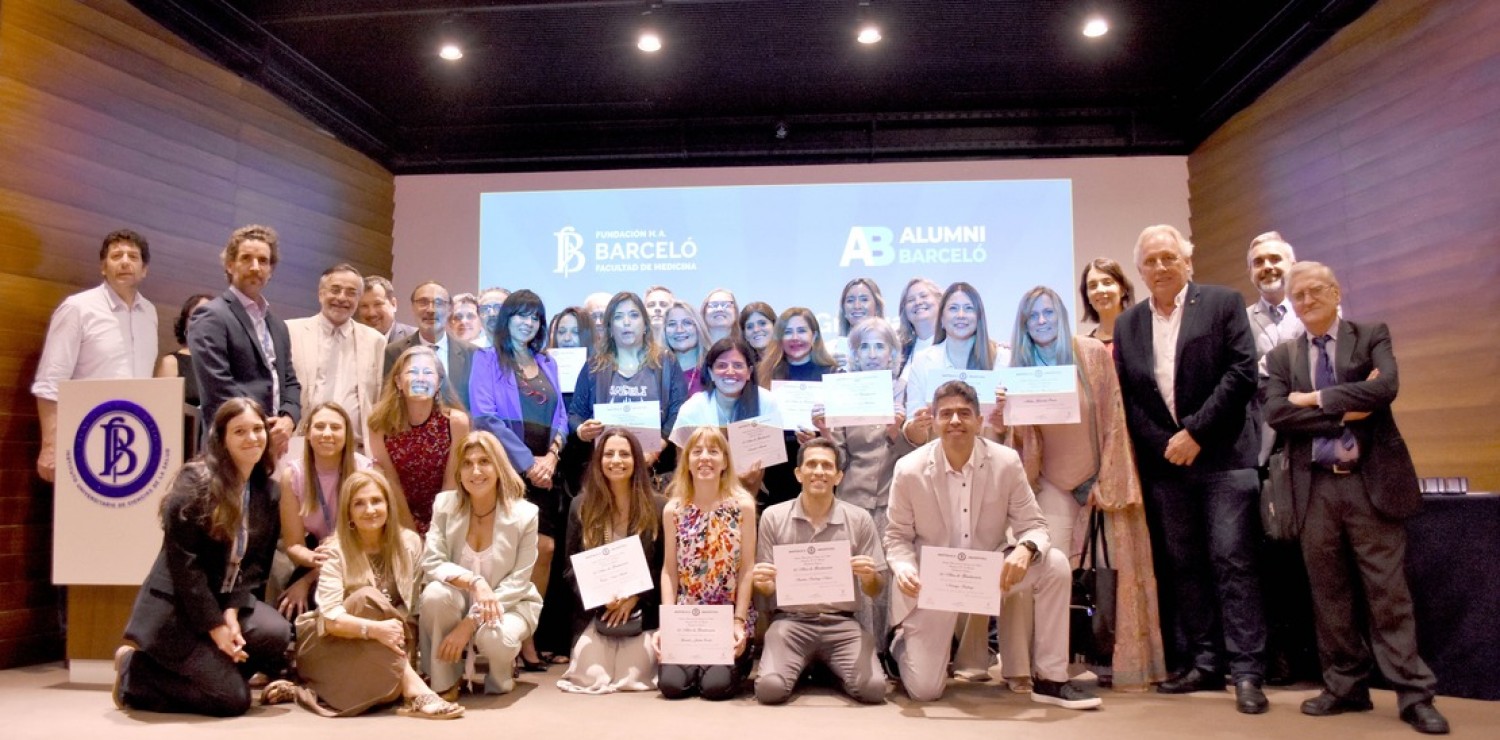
963 491
824 632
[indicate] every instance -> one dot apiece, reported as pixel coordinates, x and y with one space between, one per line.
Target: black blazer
180 601
228 360
649 601
1384 463
1215 382
460 364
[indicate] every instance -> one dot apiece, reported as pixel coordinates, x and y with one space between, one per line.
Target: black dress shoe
1328 704
1248 697
1425 718
1191 680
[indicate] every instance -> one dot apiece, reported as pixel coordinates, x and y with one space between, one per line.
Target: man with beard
1271 318
336 358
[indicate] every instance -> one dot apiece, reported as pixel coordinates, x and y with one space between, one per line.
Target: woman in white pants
481 548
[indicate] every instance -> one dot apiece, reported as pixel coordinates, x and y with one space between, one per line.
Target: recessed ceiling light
649 42
451 52
1095 27
869 34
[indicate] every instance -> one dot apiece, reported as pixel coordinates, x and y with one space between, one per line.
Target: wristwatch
1029 545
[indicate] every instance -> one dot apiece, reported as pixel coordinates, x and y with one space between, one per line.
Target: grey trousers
836 640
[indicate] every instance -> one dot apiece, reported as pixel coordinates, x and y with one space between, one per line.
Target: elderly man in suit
963 491
338 359
1330 394
1186 363
431 303
377 310
239 348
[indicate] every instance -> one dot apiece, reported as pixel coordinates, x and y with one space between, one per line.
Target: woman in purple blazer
514 394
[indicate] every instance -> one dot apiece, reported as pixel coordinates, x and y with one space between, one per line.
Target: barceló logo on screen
118 458
625 250
879 246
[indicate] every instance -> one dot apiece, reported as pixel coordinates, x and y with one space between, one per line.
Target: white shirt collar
1176 301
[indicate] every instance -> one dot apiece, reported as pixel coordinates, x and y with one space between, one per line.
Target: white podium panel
119 442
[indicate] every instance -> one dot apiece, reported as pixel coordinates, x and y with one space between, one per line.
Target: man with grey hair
1186 362
1329 395
338 359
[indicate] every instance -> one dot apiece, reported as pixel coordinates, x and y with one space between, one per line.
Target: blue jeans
1209 531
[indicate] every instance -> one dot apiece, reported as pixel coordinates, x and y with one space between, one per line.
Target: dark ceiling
560 85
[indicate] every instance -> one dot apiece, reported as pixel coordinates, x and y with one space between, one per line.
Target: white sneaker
1063 694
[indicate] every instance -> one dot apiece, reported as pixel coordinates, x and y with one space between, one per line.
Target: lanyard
241 543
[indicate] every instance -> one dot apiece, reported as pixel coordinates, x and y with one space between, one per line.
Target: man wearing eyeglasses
1186 361
430 303
1329 395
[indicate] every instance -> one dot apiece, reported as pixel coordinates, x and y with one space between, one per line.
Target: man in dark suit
1329 395
431 303
239 348
1186 362
377 310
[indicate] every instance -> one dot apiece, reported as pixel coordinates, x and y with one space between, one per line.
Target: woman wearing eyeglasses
515 394
720 311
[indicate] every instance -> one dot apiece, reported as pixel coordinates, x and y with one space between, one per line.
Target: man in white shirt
338 359
964 491
108 331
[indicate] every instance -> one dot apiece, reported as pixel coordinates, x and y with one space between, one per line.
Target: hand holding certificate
813 573
984 383
754 441
857 399
642 418
956 580
695 634
1040 395
612 571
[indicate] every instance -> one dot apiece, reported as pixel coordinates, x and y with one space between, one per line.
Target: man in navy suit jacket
1353 502
1186 361
239 348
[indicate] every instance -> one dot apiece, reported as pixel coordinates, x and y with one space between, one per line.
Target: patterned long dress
420 455
708 555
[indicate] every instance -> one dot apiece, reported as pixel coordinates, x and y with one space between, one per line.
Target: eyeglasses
719 305
430 303
1311 291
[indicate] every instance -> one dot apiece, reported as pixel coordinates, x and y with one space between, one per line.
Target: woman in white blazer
481 548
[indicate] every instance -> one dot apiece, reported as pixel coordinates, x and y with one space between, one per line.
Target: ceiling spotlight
649 41
1095 27
869 34
451 52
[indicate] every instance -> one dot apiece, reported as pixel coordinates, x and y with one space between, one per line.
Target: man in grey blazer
431 303
1329 394
1272 320
377 310
963 491
338 359
239 348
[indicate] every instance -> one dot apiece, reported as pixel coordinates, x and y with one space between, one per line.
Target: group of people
419 480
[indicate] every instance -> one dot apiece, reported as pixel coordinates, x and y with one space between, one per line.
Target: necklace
477 515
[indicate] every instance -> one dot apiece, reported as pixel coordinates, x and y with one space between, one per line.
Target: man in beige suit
962 491
338 359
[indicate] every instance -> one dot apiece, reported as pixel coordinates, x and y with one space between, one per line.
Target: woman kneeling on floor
352 652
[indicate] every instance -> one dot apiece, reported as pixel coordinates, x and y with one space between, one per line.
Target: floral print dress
708 555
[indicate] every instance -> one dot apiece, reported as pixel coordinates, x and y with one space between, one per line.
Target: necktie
1331 451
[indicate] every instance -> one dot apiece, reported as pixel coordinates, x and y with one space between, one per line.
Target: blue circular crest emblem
117 449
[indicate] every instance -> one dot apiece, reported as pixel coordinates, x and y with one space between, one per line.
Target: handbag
1091 626
1278 506
628 628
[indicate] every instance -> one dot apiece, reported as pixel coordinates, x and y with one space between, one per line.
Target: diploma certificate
642 418
956 580
857 399
1040 395
984 383
796 399
612 571
696 634
813 573
570 362
754 440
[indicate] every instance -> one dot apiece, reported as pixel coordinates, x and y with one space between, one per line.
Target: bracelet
364 631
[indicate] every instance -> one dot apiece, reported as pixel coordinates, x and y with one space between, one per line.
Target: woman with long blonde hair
352 652
413 428
480 551
962 342
709 526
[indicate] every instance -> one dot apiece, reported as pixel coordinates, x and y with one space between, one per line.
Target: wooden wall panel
109 121
1378 156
